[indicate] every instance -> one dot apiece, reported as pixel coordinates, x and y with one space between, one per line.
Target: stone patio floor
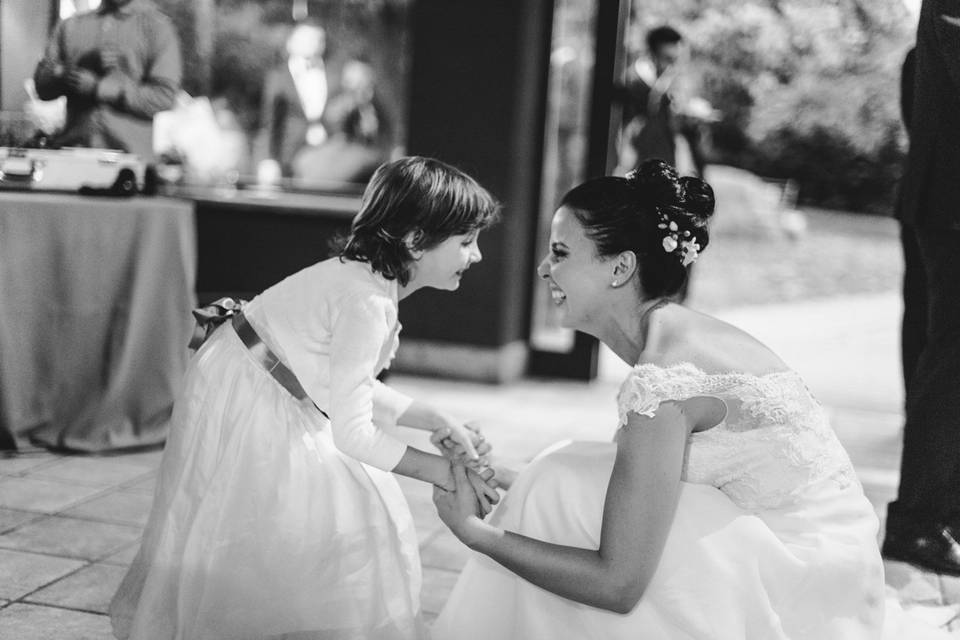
69 525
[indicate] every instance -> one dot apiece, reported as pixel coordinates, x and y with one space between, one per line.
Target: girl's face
442 266
578 278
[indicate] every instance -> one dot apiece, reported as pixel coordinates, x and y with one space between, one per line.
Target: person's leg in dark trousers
923 524
913 330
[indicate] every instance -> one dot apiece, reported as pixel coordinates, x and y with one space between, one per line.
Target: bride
725 508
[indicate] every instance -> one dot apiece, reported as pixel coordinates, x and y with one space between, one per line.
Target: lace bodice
774 444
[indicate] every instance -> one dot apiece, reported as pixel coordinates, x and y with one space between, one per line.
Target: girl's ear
411 241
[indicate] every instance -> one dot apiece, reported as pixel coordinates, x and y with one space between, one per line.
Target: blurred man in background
663 119
117 66
294 100
359 133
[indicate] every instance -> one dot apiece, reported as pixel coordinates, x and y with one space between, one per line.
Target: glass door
586 35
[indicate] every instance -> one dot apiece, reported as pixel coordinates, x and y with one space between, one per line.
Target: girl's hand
460 442
484 487
459 509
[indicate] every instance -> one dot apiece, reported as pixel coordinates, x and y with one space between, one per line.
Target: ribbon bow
212 316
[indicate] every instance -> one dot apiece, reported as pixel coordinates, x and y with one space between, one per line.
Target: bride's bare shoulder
681 334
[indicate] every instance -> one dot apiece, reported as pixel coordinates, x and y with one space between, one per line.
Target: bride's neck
627 335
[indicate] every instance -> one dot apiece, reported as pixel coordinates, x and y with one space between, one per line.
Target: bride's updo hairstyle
653 213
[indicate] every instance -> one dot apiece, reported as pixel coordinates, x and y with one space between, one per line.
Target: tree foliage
809 89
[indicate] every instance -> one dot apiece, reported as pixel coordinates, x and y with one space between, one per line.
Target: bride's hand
459 509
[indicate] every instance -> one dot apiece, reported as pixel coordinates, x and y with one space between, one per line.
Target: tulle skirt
810 572
261 528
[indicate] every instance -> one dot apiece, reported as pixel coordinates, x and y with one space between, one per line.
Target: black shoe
932 548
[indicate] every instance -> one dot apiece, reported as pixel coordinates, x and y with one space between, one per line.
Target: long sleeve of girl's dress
388 405
360 332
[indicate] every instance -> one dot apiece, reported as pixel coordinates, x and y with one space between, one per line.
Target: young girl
275 514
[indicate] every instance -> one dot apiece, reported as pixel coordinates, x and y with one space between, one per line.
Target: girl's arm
425 466
641 500
359 332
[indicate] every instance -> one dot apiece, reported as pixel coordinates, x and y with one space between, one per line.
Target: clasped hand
466 447
462 442
459 509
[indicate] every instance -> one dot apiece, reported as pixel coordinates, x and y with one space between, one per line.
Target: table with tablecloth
95 301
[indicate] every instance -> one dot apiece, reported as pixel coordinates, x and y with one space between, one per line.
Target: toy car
77 170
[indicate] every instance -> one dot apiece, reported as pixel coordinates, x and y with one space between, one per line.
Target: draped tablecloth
95 300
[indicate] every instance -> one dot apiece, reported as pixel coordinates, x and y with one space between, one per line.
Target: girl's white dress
269 521
772 539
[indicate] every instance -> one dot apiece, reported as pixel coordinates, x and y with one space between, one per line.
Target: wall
23 36
477 100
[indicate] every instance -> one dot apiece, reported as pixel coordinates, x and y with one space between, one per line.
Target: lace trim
648 385
776 439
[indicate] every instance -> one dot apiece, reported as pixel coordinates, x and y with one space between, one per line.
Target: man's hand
82 82
51 68
109 60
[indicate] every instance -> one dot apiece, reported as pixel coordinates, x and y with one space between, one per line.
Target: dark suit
929 209
283 125
652 124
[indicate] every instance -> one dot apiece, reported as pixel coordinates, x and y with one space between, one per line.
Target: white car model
73 169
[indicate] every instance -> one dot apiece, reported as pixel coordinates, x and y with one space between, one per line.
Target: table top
267 201
276 201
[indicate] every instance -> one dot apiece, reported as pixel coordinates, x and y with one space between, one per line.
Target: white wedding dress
773 537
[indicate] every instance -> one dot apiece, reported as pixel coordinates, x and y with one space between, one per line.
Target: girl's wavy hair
427 197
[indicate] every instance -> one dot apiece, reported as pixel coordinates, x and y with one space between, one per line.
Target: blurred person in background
358 134
295 97
913 331
923 524
367 120
118 66
662 120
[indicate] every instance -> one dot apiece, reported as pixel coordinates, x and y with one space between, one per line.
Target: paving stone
17 463
146 460
954 625
21 621
950 589
147 484
90 588
444 551
22 572
70 537
43 495
93 471
437 584
125 556
10 518
938 616
124 507
912 585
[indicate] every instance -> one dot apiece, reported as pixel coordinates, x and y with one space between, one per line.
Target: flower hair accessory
683 243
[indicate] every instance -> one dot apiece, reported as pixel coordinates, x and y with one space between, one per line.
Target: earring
615 283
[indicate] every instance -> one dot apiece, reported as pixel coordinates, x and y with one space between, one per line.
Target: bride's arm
639 508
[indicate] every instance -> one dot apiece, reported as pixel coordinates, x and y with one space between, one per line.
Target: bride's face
577 276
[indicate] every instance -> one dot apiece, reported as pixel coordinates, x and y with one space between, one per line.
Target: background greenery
809 89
